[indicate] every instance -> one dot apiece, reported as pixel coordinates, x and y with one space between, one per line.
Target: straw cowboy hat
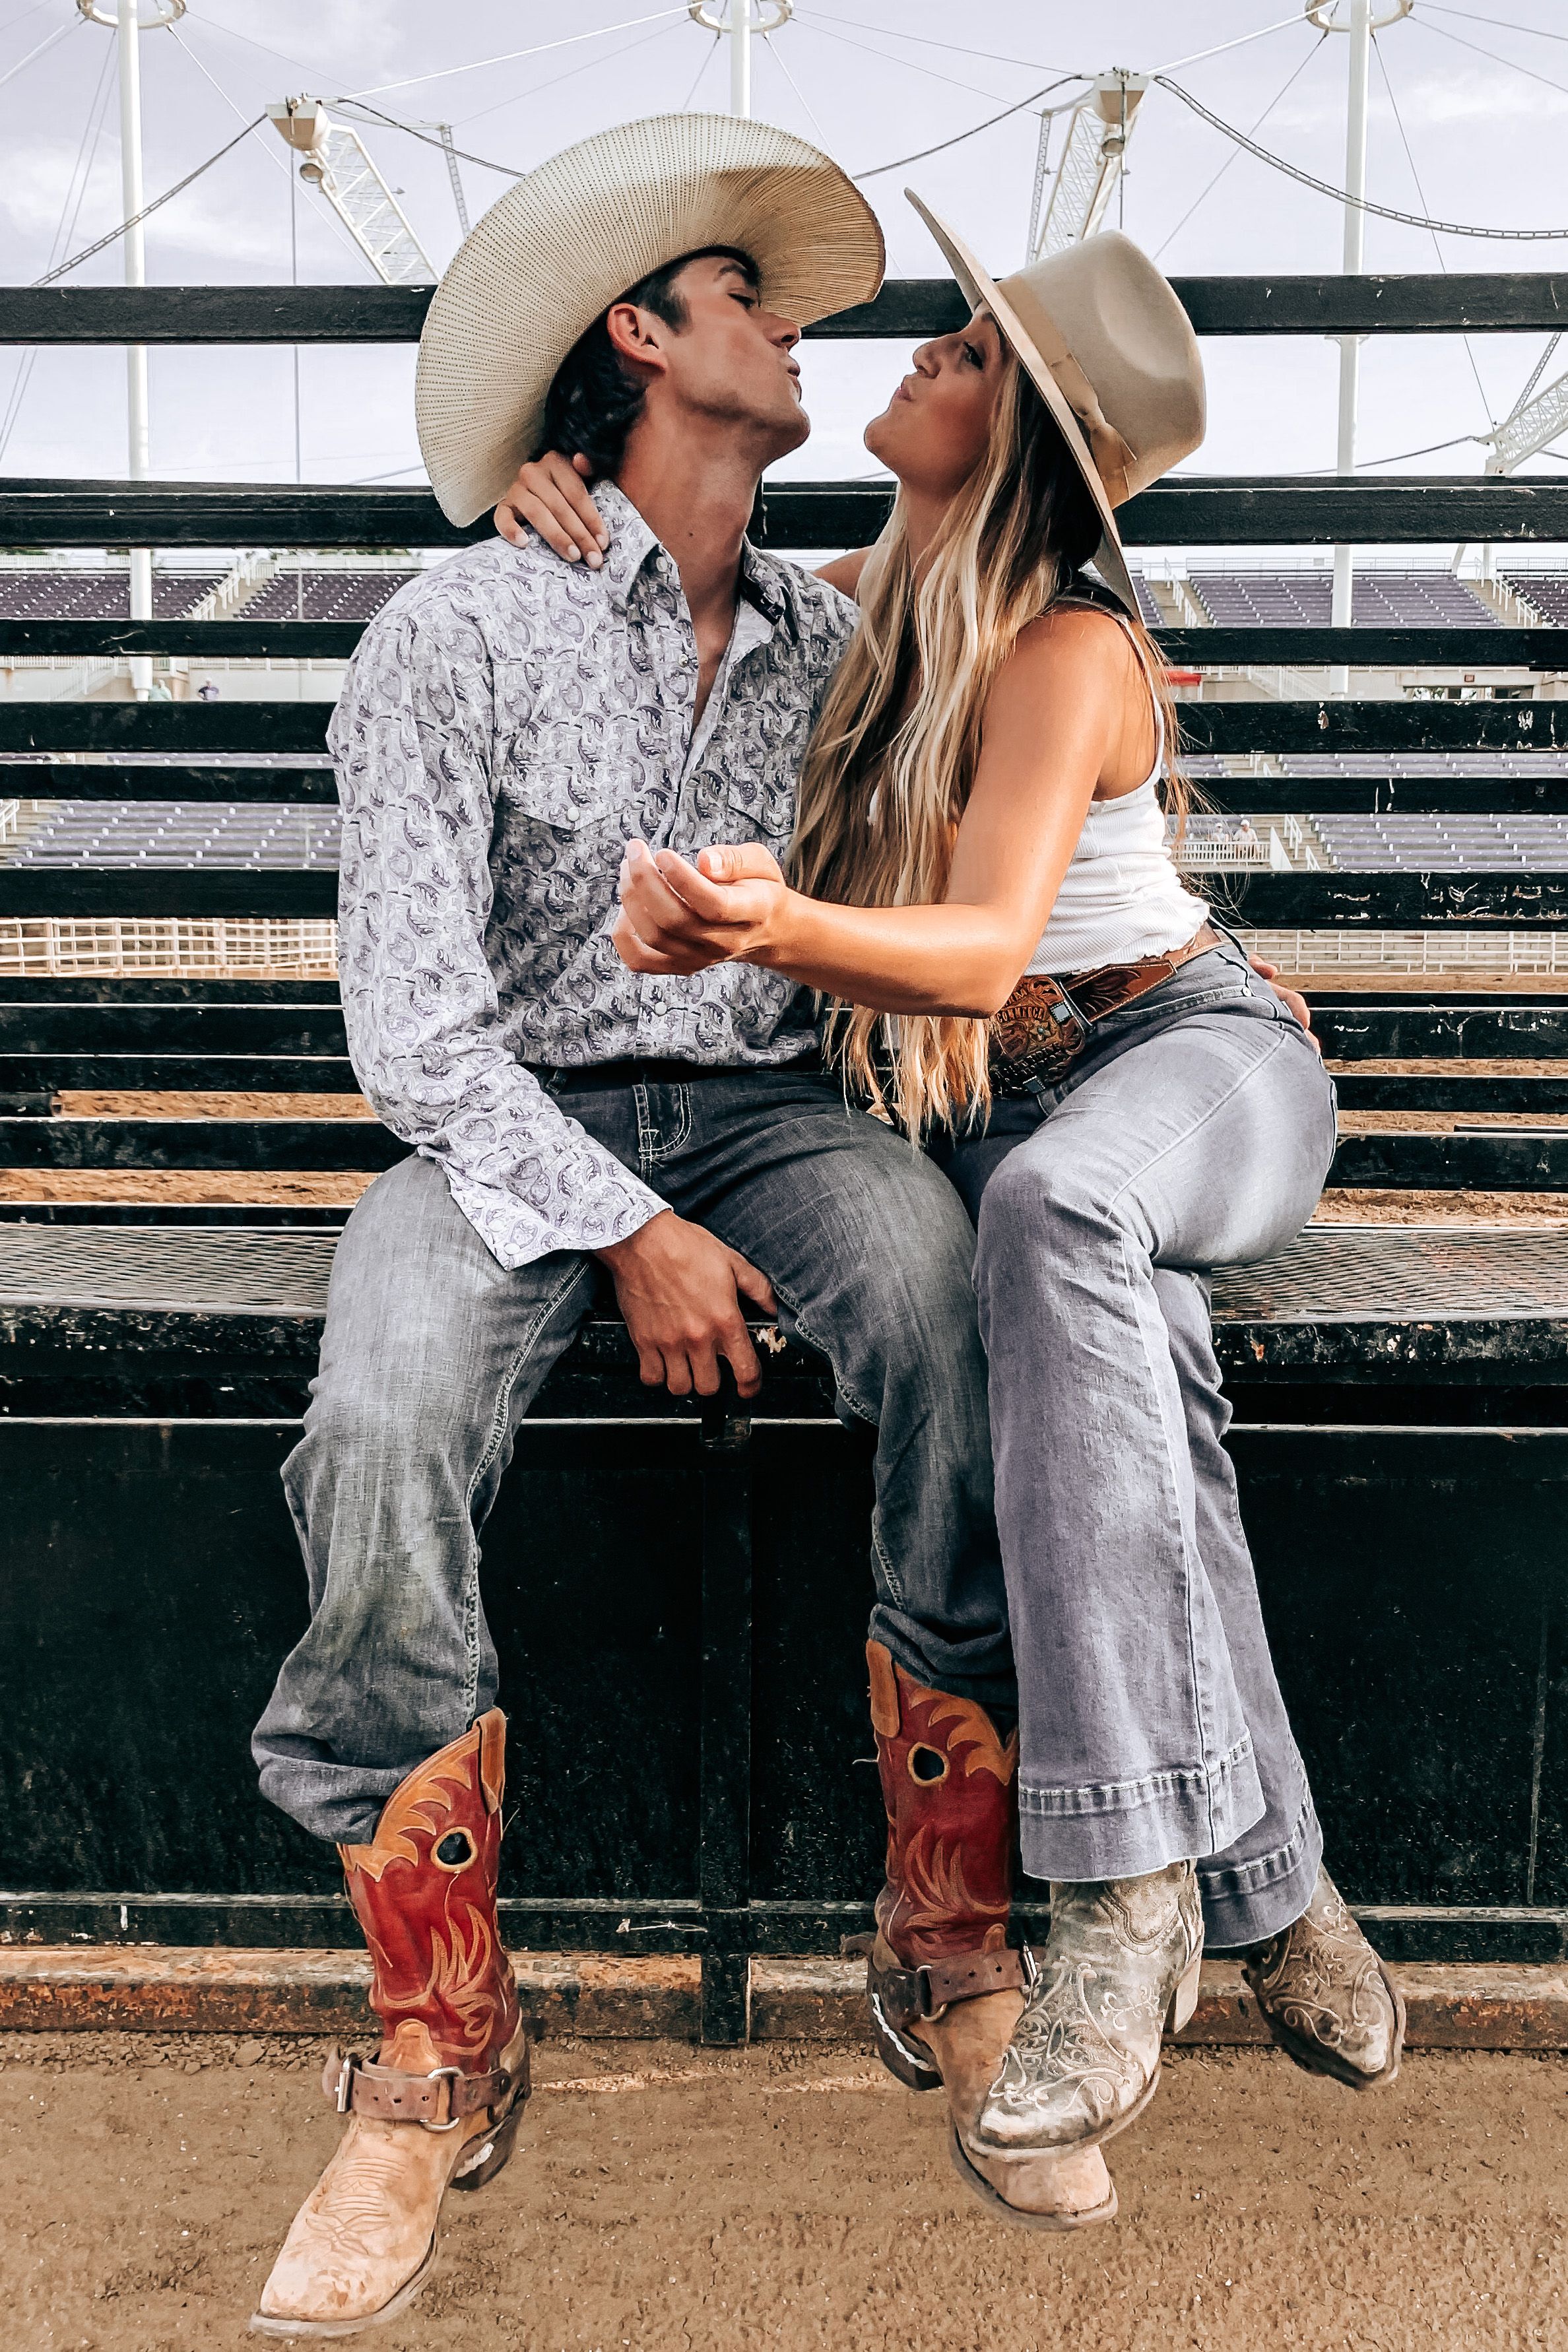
1113 356
566 240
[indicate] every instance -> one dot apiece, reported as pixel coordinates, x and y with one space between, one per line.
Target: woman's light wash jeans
432 1351
1197 1131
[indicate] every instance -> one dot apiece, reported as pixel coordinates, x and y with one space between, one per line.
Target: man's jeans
1197 1131
432 1352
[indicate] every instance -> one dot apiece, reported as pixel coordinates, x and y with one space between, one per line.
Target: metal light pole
1353 261
129 25
1360 24
740 19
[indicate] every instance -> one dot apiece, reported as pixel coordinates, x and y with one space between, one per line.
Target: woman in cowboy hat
983 889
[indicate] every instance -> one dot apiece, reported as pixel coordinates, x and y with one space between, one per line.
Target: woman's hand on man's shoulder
549 495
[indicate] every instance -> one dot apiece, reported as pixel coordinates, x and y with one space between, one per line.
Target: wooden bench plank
1184 510
1413 302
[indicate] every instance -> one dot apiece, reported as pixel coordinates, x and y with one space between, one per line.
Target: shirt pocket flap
560 760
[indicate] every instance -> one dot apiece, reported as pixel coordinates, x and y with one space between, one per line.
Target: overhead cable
23 63
958 138
444 73
1197 56
70 213
1499 24
906 65
1421 198
485 162
926 41
1297 70
1343 195
1510 65
156 205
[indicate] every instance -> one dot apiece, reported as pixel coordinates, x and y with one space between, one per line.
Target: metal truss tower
335 162
1098 129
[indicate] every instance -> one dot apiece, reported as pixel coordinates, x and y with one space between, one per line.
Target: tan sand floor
671 2199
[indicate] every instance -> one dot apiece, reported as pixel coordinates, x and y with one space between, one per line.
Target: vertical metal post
740 56
1354 252
128 37
724 1870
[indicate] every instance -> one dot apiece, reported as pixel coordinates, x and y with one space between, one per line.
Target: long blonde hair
888 770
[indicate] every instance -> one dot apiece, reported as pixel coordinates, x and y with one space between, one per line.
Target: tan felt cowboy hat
1114 357
566 240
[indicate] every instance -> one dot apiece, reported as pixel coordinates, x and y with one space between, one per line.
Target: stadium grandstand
1303 600
27 594
307 594
1545 593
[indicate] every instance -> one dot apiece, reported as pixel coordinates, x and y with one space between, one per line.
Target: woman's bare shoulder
1076 640
844 572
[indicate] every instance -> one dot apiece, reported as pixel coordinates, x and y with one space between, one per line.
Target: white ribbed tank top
1121 897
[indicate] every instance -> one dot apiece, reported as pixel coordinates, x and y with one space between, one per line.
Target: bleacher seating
1453 845
244 837
1546 592
1479 767
32 596
1303 600
308 596
1152 616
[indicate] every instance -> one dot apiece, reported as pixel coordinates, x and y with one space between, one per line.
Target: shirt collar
633 544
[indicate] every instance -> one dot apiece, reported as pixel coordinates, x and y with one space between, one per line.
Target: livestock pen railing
678 1597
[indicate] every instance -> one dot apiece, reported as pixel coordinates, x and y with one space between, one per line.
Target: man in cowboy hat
507 724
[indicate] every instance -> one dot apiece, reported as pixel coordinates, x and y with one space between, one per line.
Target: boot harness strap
439 2101
909 1993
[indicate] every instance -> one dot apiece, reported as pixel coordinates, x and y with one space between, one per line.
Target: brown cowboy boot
1327 1998
439 2106
945 1988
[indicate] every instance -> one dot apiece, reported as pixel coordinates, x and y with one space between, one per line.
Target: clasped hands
730 907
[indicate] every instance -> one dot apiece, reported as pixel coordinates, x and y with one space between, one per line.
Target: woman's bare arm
1057 710
844 572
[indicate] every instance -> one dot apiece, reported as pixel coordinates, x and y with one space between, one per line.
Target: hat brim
982 291
568 240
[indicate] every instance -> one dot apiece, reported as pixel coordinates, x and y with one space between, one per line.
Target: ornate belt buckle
1036 1037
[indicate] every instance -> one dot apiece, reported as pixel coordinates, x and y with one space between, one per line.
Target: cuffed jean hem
1246 1903
1124 1829
980 1669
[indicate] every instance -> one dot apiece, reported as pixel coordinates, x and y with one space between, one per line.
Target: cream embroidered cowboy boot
440 2105
1120 1962
1327 1997
946 1988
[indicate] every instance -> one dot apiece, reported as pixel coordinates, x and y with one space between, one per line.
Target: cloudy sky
1469 121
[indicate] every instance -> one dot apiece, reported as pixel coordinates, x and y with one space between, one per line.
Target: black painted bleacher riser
211 1020
46 1075
1481 793
178 730
1507 901
1373 647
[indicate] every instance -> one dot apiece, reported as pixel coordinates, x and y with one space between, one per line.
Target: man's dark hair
594 399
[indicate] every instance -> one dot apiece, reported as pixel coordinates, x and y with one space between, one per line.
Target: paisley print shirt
508 723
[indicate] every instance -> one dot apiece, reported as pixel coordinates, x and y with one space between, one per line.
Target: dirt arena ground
671 2199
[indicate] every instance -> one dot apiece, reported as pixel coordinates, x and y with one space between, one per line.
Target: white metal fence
1446 952
219 947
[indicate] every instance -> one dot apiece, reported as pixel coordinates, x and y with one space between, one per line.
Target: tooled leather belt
1043 1026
